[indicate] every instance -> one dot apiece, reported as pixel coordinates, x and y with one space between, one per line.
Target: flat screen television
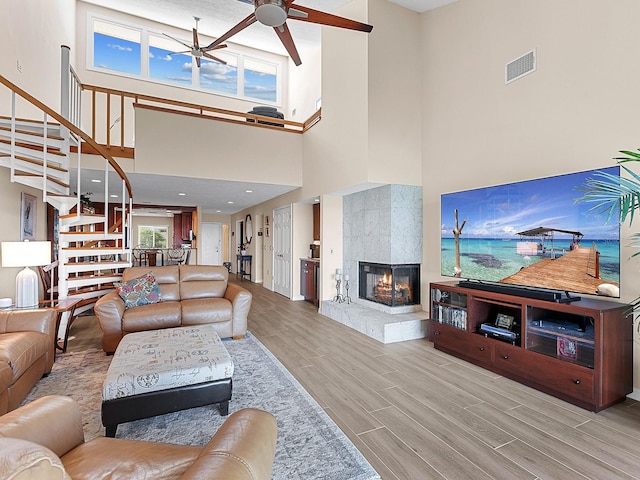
531 235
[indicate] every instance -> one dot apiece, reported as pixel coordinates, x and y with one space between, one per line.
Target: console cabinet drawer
447 338
552 374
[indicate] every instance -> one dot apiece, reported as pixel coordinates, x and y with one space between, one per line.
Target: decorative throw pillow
138 291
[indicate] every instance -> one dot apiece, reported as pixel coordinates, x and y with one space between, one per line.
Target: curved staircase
92 249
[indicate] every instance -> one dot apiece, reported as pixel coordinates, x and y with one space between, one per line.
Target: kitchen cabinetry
309 280
182 226
581 352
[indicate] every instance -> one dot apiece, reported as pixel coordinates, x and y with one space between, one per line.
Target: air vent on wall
520 67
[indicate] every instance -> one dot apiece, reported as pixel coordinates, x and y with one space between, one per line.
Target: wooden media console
580 352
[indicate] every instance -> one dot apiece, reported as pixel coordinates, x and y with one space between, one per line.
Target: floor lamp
26 254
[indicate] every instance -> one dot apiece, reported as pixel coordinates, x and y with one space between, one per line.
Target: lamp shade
26 254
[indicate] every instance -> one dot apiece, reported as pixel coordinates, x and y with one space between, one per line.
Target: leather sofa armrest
43 321
109 311
243 448
240 298
53 421
23 460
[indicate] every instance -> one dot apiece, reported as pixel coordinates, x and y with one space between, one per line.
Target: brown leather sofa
191 295
44 439
27 353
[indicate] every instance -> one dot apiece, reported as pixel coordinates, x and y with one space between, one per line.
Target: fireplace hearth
391 285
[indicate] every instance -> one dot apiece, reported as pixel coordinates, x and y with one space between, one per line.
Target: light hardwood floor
417 413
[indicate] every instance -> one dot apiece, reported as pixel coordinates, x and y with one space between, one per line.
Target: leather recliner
27 352
191 295
44 440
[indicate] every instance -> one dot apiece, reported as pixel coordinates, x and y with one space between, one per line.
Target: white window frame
154 228
195 77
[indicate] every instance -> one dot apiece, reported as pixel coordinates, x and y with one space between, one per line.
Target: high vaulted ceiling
216 17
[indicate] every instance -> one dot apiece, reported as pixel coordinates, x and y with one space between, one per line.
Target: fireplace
391 285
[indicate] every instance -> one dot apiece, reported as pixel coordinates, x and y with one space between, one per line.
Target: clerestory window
135 51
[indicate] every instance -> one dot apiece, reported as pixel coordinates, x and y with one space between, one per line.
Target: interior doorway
211 243
282 251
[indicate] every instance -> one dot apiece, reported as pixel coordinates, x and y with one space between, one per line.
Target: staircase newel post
65 81
13 135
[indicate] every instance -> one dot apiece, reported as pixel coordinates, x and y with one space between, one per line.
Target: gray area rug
310 445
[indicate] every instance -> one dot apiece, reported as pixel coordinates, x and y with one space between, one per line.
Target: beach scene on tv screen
532 233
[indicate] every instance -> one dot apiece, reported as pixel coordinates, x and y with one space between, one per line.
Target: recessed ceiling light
96 180
248 191
182 194
218 211
113 195
230 202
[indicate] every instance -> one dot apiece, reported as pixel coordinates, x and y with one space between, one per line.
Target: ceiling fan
196 50
274 13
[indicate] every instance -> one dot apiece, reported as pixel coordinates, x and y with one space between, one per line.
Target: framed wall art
28 217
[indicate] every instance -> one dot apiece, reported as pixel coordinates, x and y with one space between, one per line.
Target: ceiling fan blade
179 53
195 39
238 28
323 18
285 37
217 47
219 60
179 41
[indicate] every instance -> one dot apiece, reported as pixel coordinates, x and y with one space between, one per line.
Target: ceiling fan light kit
272 13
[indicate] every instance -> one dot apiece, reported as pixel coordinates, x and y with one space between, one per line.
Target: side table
243 261
62 307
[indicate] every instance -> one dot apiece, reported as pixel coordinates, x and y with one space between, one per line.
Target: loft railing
119 110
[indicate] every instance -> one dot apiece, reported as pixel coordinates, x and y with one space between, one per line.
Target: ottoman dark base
145 405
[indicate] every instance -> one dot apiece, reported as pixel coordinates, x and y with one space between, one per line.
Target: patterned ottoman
161 371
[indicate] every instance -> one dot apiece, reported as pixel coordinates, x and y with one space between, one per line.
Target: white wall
214 149
31 33
10 201
395 90
304 85
574 113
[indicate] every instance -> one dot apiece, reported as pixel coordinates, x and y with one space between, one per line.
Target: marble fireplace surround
380 225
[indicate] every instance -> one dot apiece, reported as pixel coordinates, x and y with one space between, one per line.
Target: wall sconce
26 254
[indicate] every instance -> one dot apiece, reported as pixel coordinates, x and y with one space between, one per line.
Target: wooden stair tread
30 120
93 248
50 150
72 215
29 132
38 175
40 163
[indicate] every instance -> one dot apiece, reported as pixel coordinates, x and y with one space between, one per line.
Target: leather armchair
27 352
44 439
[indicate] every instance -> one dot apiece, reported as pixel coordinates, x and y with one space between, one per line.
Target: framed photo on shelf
504 321
567 348
28 212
